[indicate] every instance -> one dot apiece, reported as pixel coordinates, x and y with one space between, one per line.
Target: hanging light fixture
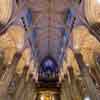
87 98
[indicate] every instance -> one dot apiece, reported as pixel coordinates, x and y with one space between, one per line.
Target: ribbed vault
63 29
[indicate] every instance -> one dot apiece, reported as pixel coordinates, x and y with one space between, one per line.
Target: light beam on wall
98 1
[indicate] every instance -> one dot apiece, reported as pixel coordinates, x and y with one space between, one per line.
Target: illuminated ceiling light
42 97
20 45
87 98
27 62
62 49
77 48
98 1
87 64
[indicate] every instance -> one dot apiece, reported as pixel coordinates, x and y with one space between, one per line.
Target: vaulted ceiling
48 23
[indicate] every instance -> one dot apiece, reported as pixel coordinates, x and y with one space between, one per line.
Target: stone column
13 85
65 90
29 91
82 87
2 65
7 76
91 88
2 69
96 76
73 87
20 88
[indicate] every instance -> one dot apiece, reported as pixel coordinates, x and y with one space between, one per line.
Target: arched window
48 68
